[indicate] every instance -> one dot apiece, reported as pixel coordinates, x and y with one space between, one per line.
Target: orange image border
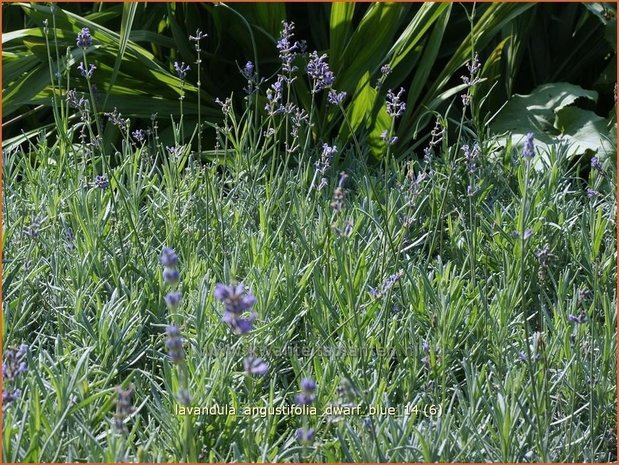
317 1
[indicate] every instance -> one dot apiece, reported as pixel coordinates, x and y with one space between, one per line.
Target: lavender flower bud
170 275
395 105
305 436
308 392
168 257
528 151
181 69
336 98
84 39
102 182
255 366
319 72
174 344
173 299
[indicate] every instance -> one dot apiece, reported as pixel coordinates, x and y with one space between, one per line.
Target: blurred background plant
426 46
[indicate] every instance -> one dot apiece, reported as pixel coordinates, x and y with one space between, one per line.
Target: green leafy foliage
426 45
552 114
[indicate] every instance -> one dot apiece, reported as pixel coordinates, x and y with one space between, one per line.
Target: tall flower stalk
174 346
524 234
197 38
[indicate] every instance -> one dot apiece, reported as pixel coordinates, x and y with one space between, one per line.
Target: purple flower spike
578 319
395 105
248 70
173 299
84 39
168 257
305 436
235 298
102 182
288 48
238 323
174 344
181 69
238 303
308 392
255 366
529 147
318 70
335 98
170 275
87 73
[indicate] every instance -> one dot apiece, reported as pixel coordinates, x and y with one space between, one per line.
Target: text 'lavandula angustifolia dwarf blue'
238 314
12 367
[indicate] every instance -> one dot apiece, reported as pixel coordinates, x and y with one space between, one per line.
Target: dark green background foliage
521 46
480 278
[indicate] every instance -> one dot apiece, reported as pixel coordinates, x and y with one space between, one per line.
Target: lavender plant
456 301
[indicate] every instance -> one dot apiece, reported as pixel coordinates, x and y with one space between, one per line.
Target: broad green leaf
340 29
13 68
584 130
367 112
494 18
380 22
549 112
430 52
491 72
125 31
